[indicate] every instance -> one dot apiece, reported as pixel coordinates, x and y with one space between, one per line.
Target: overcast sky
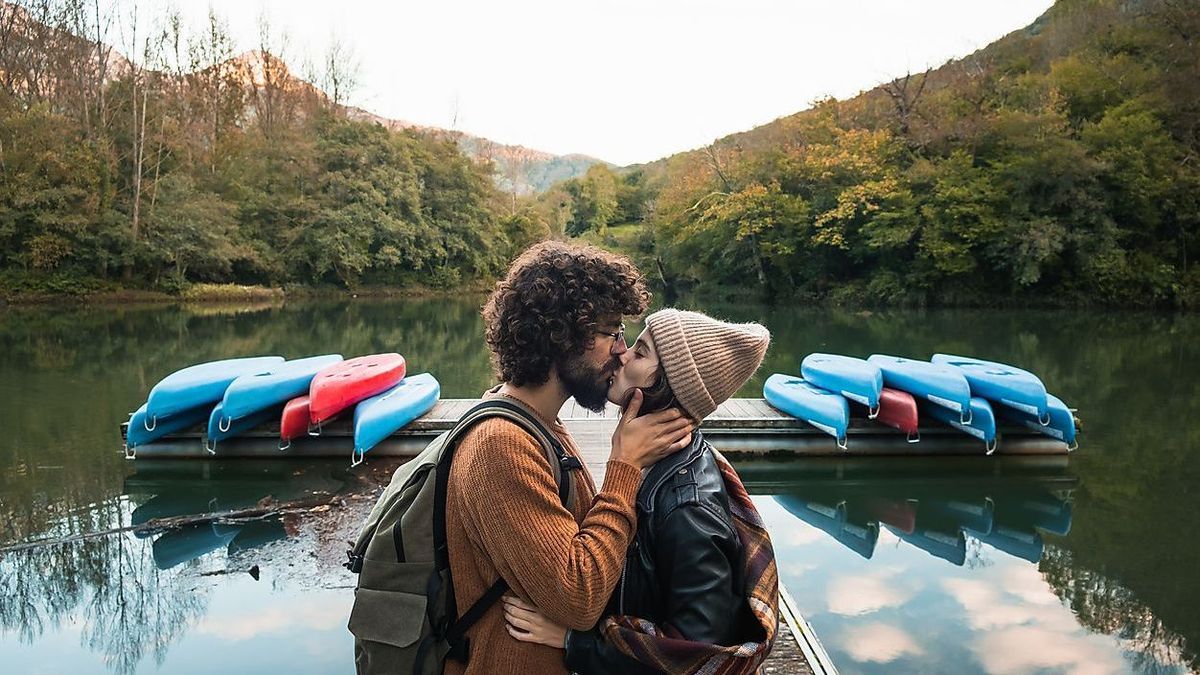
626 81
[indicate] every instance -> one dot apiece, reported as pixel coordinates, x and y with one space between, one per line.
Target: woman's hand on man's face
526 623
642 441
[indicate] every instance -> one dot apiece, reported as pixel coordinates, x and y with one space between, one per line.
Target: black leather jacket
683 566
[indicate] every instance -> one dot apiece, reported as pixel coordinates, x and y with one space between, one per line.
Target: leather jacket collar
667 467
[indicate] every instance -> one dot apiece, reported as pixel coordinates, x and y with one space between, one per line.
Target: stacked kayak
339 387
936 383
1009 386
856 379
185 398
898 409
981 424
965 393
1061 425
825 410
233 396
380 416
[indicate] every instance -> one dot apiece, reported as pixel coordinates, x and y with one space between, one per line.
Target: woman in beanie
700 589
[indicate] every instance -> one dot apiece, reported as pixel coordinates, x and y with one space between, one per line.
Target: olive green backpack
405 618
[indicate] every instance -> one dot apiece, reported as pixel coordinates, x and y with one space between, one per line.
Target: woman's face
638 367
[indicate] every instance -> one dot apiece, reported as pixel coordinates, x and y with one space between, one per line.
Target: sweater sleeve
512 512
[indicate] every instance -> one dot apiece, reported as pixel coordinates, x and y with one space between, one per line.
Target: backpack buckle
354 561
460 650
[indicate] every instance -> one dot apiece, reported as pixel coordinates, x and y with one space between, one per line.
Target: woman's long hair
658 396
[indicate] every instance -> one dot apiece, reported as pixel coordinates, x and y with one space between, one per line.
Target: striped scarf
663 647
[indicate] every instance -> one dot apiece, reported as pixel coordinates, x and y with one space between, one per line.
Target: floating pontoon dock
746 426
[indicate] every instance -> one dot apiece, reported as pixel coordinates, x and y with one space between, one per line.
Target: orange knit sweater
503 517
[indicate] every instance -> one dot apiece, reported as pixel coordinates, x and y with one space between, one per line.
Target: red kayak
294 422
345 383
899 409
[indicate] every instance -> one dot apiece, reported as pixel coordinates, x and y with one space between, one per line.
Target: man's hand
642 441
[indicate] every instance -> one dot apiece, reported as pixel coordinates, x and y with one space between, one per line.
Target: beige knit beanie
705 360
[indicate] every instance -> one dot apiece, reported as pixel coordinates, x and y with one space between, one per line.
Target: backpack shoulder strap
560 463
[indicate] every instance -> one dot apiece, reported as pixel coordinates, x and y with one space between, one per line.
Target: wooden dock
746 426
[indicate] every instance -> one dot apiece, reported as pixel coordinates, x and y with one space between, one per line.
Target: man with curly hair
553 325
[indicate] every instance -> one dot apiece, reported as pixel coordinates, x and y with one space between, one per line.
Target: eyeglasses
618 339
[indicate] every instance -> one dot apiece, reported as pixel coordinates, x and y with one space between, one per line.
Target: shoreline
232 293
212 294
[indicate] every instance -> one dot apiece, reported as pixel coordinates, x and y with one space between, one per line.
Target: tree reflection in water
128 608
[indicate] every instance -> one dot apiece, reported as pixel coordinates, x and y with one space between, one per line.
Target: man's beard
588 385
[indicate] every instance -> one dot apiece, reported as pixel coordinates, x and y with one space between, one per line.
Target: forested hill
211 163
1057 165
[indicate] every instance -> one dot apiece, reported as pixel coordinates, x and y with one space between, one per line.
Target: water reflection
134 594
935 512
864 543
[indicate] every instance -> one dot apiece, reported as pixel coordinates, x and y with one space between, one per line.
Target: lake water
1084 564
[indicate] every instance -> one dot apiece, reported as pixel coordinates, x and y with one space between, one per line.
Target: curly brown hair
550 303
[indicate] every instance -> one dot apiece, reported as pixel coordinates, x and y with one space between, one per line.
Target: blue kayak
934 382
823 409
1001 383
219 428
136 433
853 378
201 384
981 426
1062 421
278 385
379 416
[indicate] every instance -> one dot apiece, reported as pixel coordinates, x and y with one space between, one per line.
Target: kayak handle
914 437
872 413
991 445
210 446
284 445
1045 422
356 457
312 433
224 423
146 422
130 453
1073 446
841 443
966 415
